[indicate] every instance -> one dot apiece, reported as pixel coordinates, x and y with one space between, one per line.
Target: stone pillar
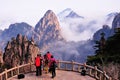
72 65
58 64
95 72
6 74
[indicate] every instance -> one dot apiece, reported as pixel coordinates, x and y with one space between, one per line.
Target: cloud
82 29
77 51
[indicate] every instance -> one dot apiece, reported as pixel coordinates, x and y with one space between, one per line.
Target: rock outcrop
106 29
1 59
49 29
116 21
19 51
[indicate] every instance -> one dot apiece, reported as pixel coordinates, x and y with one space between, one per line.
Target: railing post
72 65
104 77
90 72
65 66
110 78
6 74
100 76
84 66
1 77
78 68
95 72
18 70
58 64
11 73
30 66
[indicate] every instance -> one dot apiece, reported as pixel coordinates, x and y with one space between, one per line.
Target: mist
68 51
82 29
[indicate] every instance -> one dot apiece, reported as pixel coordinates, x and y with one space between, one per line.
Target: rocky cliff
116 21
1 57
49 29
19 50
107 30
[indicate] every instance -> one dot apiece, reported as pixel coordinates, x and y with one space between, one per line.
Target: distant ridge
72 14
69 13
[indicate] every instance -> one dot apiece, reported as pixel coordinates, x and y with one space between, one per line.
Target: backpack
20 76
83 72
53 64
37 62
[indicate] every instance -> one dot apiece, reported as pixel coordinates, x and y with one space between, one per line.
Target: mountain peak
112 14
68 13
73 14
17 28
67 10
22 25
49 12
48 28
48 20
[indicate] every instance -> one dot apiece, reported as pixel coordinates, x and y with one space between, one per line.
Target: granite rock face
19 51
107 30
49 29
1 59
116 21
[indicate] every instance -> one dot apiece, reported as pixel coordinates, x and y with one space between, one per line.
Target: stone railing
8 74
62 65
90 70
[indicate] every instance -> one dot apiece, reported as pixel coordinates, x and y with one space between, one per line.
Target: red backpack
37 61
48 56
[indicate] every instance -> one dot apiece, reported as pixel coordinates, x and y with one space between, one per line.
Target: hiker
38 63
52 66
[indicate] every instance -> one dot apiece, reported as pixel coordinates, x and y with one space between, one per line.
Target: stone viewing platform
66 70
61 75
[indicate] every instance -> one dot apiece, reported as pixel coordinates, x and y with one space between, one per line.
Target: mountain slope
48 28
116 21
68 13
106 29
72 14
14 29
114 18
1 32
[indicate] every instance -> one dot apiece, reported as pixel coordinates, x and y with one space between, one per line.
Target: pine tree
107 50
100 45
99 52
112 47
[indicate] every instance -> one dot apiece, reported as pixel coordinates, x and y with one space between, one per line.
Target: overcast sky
31 11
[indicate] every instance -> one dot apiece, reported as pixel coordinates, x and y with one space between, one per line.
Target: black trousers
53 70
38 71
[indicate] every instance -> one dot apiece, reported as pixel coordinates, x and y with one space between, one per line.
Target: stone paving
61 75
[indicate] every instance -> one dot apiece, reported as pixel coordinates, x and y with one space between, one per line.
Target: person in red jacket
48 55
38 65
